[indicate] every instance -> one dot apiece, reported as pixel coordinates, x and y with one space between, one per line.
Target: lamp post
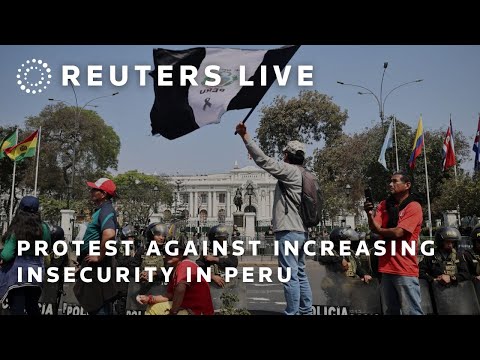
78 111
156 190
178 184
250 192
348 189
380 100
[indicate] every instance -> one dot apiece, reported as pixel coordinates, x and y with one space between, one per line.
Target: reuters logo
34 76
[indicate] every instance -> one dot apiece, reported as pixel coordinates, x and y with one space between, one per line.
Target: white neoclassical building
206 200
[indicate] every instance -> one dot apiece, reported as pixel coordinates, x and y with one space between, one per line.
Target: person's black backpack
311 203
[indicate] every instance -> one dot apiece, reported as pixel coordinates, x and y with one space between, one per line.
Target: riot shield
476 285
50 298
426 299
68 303
457 299
134 289
235 287
338 290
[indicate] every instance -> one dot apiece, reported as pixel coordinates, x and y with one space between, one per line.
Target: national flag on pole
448 150
476 148
7 142
24 149
387 144
179 110
417 145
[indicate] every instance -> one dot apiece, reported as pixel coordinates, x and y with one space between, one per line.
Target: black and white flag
179 110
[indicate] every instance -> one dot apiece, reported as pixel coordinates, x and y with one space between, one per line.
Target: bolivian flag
24 149
7 142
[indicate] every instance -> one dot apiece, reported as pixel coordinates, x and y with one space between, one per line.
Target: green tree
353 160
465 191
96 149
24 169
137 195
311 116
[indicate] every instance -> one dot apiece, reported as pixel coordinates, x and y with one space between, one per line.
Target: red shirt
197 295
409 219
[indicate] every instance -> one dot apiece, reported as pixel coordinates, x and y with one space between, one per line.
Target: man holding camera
398 218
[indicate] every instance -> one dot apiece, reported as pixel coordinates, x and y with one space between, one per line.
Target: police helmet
128 231
156 229
56 233
218 232
475 235
346 233
447 233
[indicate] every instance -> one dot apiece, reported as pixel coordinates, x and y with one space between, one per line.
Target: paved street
267 298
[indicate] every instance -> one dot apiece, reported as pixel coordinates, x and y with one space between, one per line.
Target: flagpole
13 182
251 110
38 159
428 190
455 170
395 137
248 115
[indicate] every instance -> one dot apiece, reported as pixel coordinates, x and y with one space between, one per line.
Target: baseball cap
30 204
294 146
104 184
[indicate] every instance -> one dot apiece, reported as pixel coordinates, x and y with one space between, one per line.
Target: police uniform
334 263
141 260
472 256
126 261
443 262
220 234
218 268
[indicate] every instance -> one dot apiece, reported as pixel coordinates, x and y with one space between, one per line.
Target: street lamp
380 101
250 192
348 189
69 192
78 111
156 190
178 182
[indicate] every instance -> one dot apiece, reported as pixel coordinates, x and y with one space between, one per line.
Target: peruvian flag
448 151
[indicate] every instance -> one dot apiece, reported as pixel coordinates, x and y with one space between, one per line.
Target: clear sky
451 85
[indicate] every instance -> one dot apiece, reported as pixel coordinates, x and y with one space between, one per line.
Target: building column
214 204
270 205
227 205
195 204
209 204
190 205
263 208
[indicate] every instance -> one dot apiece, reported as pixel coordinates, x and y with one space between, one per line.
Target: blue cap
30 204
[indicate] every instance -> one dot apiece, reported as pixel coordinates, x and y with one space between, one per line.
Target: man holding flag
185 106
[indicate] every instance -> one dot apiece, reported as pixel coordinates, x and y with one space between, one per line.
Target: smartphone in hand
368 195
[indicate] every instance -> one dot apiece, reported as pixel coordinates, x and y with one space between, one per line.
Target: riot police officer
155 232
60 262
349 265
445 266
472 256
128 232
370 262
218 233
